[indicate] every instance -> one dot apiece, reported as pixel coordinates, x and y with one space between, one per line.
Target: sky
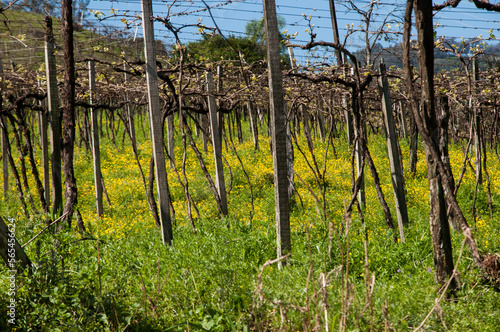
464 21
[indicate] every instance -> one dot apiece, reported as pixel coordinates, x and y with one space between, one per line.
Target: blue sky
463 21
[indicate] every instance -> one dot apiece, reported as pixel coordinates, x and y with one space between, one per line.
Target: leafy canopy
214 47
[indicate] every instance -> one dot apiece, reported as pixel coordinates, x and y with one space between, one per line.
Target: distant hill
22 42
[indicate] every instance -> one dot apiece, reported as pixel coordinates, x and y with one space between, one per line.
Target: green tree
256 32
216 48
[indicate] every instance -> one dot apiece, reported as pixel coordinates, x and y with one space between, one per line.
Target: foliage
255 30
215 48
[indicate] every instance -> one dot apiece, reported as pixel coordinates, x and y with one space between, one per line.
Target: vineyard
391 186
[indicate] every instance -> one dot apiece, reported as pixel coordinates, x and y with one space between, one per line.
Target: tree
68 111
434 130
255 31
215 48
440 229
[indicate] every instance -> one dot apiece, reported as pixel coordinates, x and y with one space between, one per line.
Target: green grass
209 280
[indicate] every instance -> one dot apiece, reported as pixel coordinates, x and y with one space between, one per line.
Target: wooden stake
156 125
393 150
5 161
96 154
278 128
54 116
217 143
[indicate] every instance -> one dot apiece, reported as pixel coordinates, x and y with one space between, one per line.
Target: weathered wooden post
477 125
217 144
360 172
96 154
348 114
220 86
252 117
130 112
278 130
205 123
402 113
54 116
44 143
393 150
333 15
321 119
170 140
156 125
5 161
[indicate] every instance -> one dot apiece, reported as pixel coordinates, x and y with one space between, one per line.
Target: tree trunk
68 116
440 230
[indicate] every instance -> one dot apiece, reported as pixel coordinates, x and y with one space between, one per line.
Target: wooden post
278 130
5 161
252 117
96 154
360 173
130 113
55 118
335 29
220 85
291 55
321 119
348 121
290 158
170 135
170 140
156 125
403 118
217 144
393 150
42 127
205 132
477 127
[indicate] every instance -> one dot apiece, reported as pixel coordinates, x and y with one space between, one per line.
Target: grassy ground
118 276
